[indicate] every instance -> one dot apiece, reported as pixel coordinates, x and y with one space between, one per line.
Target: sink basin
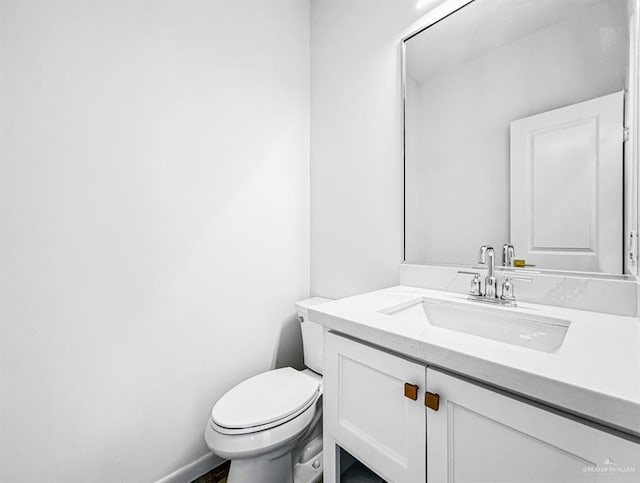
545 334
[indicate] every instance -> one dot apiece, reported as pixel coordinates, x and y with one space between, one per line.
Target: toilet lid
265 398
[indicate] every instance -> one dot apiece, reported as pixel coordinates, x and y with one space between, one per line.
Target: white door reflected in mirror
566 186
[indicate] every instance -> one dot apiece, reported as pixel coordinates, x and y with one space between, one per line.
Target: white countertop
595 373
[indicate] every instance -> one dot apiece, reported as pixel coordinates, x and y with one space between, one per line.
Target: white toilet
270 426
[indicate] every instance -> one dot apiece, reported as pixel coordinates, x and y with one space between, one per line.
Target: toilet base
278 466
269 468
309 470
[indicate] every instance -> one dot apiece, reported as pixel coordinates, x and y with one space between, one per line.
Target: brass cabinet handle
431 400
411 391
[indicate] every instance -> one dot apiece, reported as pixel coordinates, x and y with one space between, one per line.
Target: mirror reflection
514 135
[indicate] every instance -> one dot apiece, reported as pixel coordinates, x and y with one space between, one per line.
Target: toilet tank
311 334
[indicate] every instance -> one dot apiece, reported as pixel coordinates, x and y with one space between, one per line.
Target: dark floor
216 475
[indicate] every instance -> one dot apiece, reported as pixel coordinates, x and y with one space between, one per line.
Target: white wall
462 161
356 143
154 224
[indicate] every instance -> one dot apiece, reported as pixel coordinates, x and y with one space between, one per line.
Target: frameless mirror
514 135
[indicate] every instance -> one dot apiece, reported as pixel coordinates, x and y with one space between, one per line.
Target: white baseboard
193 470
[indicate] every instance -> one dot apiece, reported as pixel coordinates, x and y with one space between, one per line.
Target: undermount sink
545 334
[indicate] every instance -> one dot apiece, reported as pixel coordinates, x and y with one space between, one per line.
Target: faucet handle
508 292
476 284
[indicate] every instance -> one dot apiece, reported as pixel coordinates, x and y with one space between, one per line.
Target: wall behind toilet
154 224
356 143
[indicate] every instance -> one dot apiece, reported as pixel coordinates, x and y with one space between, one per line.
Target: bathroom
177 175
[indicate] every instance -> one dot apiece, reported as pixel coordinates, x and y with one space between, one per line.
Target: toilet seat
265 401
254 444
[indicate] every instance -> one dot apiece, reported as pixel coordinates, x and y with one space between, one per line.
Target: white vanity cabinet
367 413
475 435
480 435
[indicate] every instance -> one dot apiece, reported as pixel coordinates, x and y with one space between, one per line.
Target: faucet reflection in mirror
530 101
508 254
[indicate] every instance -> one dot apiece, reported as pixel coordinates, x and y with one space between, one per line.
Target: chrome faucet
487 256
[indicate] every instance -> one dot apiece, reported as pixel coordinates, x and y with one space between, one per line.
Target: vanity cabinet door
478 435
367 412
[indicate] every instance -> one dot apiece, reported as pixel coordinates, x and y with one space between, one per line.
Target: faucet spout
487 256
487 252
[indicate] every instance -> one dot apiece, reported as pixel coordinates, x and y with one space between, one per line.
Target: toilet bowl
270 425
